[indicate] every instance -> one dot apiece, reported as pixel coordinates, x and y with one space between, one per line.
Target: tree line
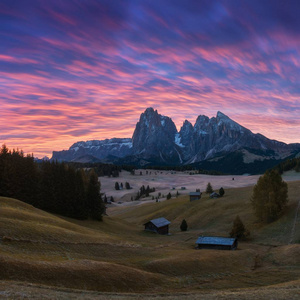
52 186
289 164
103 169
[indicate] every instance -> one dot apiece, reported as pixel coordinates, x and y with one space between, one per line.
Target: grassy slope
116 255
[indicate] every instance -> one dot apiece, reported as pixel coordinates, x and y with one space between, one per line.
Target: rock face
154 136
156 139
99 149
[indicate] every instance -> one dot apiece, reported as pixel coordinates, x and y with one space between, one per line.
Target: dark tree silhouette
183 226
221 192
209 189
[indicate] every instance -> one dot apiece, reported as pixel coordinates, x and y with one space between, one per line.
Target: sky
73 70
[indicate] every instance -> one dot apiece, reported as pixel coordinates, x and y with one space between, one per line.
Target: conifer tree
238 229
270 196
209 189
183 226
95 205
221 192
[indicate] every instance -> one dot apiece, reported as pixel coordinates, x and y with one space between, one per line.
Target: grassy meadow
45 254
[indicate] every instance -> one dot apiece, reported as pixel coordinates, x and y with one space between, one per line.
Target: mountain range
211 142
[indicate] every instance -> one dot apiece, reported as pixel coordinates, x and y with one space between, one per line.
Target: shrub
183 226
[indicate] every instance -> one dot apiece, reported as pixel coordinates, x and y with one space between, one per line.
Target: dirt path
294 224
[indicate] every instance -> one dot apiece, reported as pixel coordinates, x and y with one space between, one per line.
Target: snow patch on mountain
178 140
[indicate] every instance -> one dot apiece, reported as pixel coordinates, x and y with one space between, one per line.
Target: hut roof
195 193
160 222
215 240
214 194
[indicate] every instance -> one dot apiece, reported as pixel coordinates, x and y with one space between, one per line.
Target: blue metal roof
215 240
160 222
195 193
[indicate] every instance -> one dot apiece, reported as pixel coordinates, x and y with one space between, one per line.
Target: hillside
38 249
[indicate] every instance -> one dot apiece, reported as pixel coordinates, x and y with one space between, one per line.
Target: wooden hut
214 195
195 196
215 242
160 226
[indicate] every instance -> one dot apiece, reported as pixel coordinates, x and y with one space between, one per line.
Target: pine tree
238 229
270 196
183 226
94 201
209 189
169 196
117 187
221 192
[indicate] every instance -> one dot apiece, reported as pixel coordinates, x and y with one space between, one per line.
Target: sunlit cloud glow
82 70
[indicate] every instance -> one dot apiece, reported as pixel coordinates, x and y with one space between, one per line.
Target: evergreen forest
52 186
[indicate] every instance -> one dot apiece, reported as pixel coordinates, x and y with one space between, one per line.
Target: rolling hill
44 253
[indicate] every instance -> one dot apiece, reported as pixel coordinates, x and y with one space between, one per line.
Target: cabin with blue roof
195 196
160 226
216 242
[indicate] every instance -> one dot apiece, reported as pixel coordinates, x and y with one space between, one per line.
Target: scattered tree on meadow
144 192
117 186
169 196
221 192
121 186
270 196
209 189
127 185
238 229
183 226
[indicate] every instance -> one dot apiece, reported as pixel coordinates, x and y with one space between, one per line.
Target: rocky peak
202 124
154 134
186 127
220 115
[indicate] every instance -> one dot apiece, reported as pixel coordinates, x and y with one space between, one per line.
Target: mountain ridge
156 139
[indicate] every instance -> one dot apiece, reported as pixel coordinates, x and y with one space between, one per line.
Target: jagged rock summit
156 140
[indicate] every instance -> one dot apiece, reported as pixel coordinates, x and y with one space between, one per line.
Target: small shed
195 196
214 195
216 242
160 226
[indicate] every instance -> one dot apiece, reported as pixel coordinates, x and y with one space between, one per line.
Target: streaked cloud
80 70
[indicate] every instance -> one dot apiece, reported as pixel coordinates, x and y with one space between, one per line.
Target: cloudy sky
73 70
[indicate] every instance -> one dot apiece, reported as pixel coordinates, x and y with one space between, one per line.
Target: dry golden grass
38 249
